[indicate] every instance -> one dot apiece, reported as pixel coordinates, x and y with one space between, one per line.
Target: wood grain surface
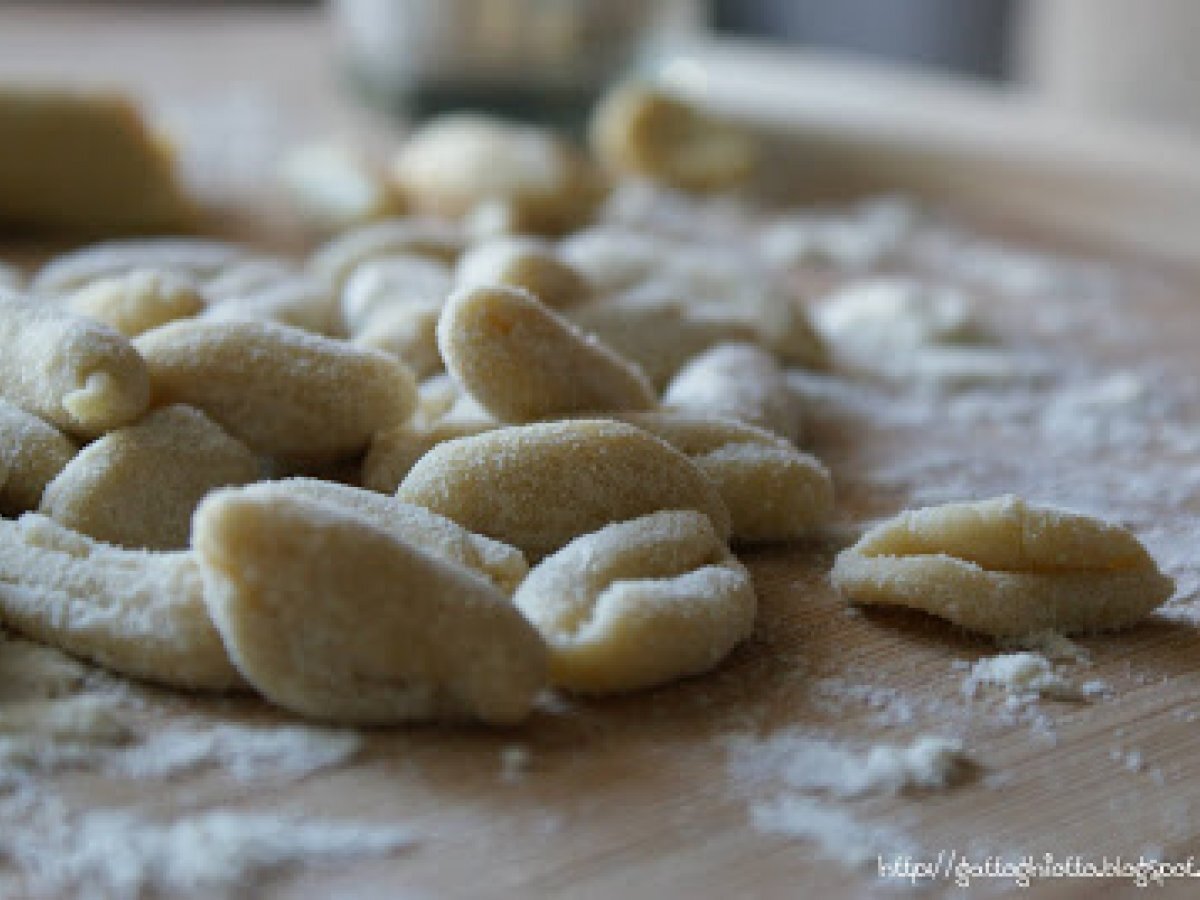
633 797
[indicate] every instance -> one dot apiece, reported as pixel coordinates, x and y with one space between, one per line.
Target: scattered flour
46 850
29 671
816 765
88 718
837 833
43 736
804 765
1054 646
889 707
877 319
1009 269
645 207
87 733
119 855
868 404
1133 761
1025 677
515 760
247 754
853 240
949 369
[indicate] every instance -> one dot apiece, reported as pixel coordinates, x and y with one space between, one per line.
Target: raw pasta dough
138 613
333 617
538 486
639 603
1004 568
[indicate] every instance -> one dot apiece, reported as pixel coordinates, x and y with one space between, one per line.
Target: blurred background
972 38
1132 59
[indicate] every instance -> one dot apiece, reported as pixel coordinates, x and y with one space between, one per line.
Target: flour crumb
120 855
880 318
812 764
247 754
837 834
1042 728
85 719
85 736
49 735
515 761
807 765
960 368
29 671
995 781
1025 677
553 704
1052 645
854 240
889 706
1133 761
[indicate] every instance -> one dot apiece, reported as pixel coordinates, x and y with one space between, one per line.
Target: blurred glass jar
543 60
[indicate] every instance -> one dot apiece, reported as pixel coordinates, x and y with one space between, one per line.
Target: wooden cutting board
634 797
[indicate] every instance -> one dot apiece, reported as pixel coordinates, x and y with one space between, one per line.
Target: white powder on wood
1009 269
877 319
853 240
29 671
938 370
88 735
1024 676
515 760
889 706
808 765
10 277
1052 645
83 719
119 854
838 835
816 765
245 753
42 736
